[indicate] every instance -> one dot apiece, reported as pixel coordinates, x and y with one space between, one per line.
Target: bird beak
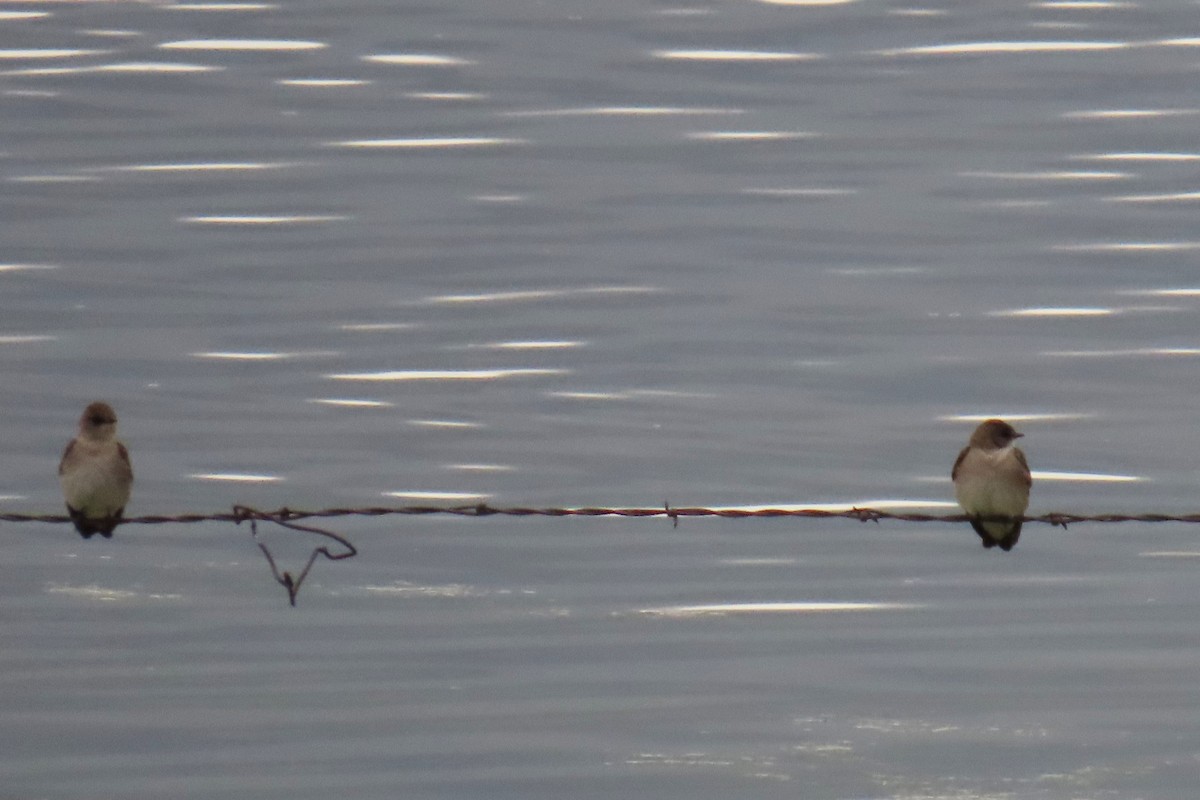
1017 435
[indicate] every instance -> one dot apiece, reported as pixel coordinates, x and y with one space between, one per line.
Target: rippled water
709 253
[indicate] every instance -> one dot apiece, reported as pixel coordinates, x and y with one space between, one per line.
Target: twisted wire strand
282 515
289 518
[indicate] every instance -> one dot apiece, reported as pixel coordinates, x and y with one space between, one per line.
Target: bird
991 478
95 473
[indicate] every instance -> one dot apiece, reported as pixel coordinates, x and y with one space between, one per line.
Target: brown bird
991 478
95 473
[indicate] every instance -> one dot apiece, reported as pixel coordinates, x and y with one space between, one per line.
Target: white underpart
992 483
95 481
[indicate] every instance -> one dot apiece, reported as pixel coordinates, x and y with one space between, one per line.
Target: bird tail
88 526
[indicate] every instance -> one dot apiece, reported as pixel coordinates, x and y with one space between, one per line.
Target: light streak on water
322 83
262 219
1124 353
446 374
421 495
429 142
541 294
994 48
235 477
624 111
237 45
721 609
449 424
1054 312
1022 417
418 60
733 55
350 403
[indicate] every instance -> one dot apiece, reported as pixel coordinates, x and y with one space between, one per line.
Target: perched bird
95 473
991 478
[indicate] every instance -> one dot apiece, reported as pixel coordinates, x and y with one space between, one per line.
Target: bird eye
97 420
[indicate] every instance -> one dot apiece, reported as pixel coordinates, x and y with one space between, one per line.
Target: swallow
95 473
991 478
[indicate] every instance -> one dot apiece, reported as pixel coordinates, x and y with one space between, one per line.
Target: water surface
751 254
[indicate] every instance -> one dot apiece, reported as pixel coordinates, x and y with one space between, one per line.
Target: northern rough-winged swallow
991 478
95 473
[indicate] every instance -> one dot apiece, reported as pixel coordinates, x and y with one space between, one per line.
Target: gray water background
627 253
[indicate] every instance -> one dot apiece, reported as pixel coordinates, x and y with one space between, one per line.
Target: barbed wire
289 518
243 513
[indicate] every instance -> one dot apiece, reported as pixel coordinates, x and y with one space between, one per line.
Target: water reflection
236 477
26 267
269 220
1084 477
29 93
1085 5
234 355
49 179
723 609
629 394
624 111
733 55
256 45
1132 352
458 497
231 6
406 589
975 419
885 504
499 198
107 594
323 83
199 166
127 67
1004 48
1181 292
749 136
1132 247
430 142
418 60
1054 312
345 402
1169 197
447 374
541 294
377 327
1165 157
1049 175
26 338
112 33
479 467
451 424
446 96
530 345
34 54
1131 113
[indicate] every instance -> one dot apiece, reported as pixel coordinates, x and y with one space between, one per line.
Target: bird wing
66 454
125 462
1024 465
958 463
